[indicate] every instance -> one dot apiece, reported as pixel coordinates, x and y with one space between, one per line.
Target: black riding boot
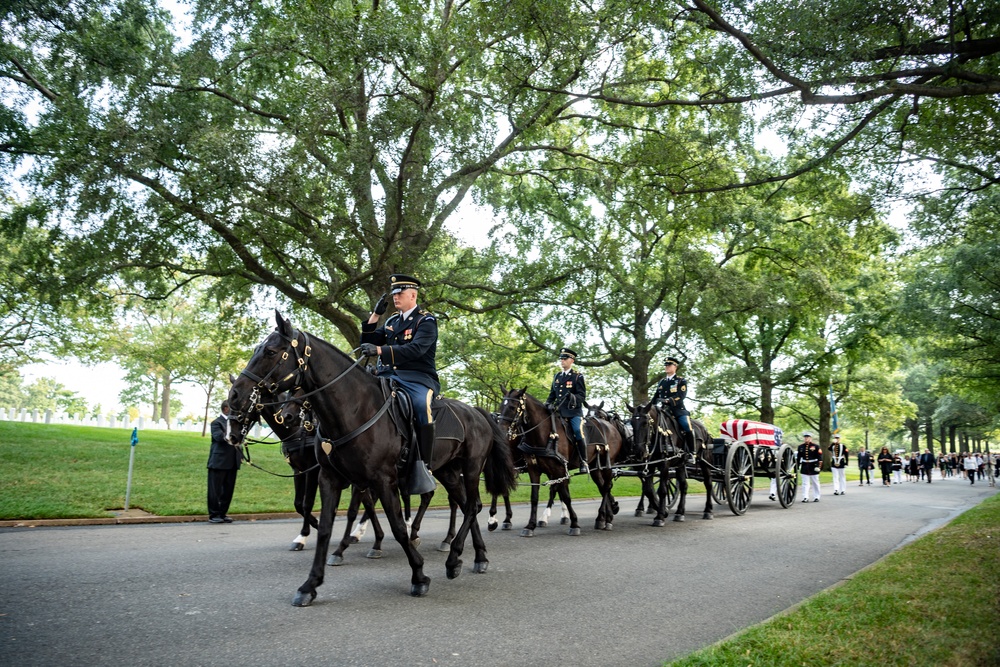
581 449
689 447
420 480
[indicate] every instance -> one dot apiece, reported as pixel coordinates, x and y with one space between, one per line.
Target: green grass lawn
935 602
61 472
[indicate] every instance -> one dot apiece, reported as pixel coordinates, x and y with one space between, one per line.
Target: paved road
202 594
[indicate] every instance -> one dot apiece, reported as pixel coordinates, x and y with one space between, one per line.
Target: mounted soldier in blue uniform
568 393
405 348
671 392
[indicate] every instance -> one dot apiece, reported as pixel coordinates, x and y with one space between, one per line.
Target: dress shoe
584 469
226 519
836 493
216 519
805 500
772 497
815 500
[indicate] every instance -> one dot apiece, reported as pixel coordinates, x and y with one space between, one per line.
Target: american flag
757 434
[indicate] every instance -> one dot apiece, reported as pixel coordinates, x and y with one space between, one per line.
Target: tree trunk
156 398
914 427
930 432
824 426
767 400
165 400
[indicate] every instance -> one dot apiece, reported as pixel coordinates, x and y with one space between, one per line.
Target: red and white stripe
751 433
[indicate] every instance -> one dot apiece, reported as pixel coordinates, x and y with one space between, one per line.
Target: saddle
447 425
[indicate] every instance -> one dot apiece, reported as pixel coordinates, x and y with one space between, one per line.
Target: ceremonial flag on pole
834 425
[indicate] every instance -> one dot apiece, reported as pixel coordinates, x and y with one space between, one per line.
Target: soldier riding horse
365 444
544 441
660 443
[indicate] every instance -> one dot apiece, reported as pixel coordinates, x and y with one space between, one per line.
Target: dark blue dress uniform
566 384
810 464
671 392
409 348
569 391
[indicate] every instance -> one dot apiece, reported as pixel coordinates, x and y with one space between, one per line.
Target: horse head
644 420
296 412
597 411
274 368
512 409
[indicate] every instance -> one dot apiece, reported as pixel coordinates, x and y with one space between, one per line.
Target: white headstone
48 416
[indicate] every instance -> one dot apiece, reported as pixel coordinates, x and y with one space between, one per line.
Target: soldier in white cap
810 462
838 465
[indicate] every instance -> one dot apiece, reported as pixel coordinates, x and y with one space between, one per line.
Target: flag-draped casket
751 433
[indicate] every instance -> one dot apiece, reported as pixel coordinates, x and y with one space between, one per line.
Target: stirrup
420 480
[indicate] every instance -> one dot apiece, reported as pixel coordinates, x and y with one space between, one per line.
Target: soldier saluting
567 395
405 347
671 392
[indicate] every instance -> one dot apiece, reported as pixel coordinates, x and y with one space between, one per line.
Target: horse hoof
374 553
527 532
599 525
506 525
564 521
650 511
491 525
297 546
615 508
353 540
659 523
639 512
453 572
574 532
415 541
444 547
678 517
479 567
303 599
334 559
420 590
707 516
608 526
543 523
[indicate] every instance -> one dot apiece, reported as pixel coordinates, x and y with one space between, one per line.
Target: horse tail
501 478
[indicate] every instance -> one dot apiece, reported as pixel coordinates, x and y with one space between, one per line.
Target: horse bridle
518 420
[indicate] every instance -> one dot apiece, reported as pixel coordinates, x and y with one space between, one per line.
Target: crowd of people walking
897 468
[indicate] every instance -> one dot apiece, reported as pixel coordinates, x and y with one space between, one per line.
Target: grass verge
69 472
934 602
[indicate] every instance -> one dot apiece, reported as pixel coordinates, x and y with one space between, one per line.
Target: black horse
295 415
545 445
366 442
297 409
658 436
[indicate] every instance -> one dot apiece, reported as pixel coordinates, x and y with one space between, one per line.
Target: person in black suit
927 463
568 393
864 466
223 463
